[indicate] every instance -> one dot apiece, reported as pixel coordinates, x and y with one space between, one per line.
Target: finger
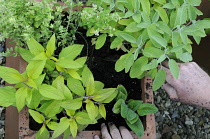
170 91
125 133
115 133
96 137
165 64
104 132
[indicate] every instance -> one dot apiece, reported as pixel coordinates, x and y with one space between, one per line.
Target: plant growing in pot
62 84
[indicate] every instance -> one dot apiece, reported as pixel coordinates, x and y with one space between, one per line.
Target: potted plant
147 31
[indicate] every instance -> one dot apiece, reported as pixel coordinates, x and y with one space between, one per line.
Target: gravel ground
2 110
179 121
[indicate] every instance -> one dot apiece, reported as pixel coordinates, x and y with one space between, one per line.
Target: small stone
168 103
178 104
175 136
189 122
158 99
165 112
174 115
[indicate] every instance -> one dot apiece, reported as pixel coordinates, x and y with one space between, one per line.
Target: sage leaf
136 127
146 6
117 42
128 37
152 52
174 68
100 41
137 65
134 104
146 108
39 118
159 79
137 17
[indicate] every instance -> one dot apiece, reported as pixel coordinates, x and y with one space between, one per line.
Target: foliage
131 110
150 31
24 19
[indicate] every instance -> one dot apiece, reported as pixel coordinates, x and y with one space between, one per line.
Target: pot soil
18 125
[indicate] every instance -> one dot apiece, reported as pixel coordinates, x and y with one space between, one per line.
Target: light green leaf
185 57
73 104
43 133
52 125
125 21
153 64
160 1
36 116
124 110
152 52
98 85
117 42
34 100
132 27
88 81
52 108
136 68
25 54
128 37
51 92
82 118
10 75
102 110
100 41
35 47
136 127
91 110
75 86
129 62
146 6
73 127
137 17
105 95
122 92
74 74
51 46
159 79
146 109
162 13
7 96
134 104
68 63
174 68
152 73
35 68
21 95
121 62
61 127
71 52
161 58
117 106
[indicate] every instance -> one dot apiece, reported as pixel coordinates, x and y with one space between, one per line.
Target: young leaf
159 80
136 127
152 52
10 75
162 12
71 52
35 68
100 41
52 125
51 46
74 74
7 96
134 104
121 62
91 109
34 47
51 92
146 6
36 116
82 118
21 95
88 81
102 110
137 17
75 86
73 127
43 133
73 104
174 68
117 42
146 109
128 37
61 127
122 92
136 68
132 27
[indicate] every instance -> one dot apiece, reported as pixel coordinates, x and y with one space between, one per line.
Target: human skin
115 133
192 86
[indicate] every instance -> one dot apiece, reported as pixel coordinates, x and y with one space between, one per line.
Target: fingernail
110 123
103 124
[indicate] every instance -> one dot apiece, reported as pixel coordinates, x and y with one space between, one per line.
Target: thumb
170 91
96 137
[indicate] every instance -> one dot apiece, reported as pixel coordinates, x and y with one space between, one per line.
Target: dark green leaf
136 127
159 79
146 109
136 68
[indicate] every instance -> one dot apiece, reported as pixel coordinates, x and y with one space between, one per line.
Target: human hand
122 133
192 86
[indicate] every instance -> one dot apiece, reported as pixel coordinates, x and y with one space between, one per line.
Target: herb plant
63 84
150 31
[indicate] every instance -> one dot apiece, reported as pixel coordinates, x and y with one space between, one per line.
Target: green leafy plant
22 20
150 31
131 110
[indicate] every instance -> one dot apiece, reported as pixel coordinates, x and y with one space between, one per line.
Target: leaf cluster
150 31
131 110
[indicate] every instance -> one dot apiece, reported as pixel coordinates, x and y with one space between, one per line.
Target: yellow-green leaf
174 68
73 104
21 95
91 109
61 127
159 79
34 47
39 118
102 110
35 68
51 46
100 41
73 127
71 52
7 96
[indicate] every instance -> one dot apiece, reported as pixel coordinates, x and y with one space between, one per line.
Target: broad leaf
35 47
75 86
159 80
106 95
122 93
152 52
146 109
61 127
73 104
82 118
25 54
121 62
51 46
136 127
7 96
39 118
117 42
88 81
73 127
43 133
71 52
174 68
91 110
102 110
35 68
10 75
68 63
52 109
117 106
100 41
146 6
136 68
134 104
128 37
51 92
21 95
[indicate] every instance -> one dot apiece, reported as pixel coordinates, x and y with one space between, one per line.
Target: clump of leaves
131 110
23 19
73 92
156 30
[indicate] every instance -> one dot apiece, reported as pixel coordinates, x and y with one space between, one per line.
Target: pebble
189 122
